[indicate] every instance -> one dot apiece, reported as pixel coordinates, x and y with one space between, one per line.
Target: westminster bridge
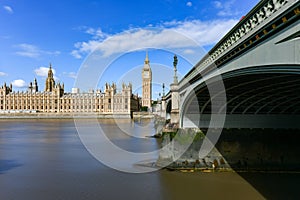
249 79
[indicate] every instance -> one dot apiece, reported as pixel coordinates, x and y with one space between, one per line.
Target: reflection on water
6 165
44 159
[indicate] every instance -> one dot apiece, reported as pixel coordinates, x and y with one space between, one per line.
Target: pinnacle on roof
147 58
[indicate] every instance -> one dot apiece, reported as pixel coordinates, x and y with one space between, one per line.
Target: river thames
45 159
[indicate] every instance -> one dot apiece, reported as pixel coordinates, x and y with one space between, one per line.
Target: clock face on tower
146 74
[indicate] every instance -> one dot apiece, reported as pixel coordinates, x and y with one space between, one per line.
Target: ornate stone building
55 100
50 83
147 83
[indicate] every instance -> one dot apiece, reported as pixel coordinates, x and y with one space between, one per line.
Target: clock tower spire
147 83
147 59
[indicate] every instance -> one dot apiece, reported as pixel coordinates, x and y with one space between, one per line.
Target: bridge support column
175 103
163 107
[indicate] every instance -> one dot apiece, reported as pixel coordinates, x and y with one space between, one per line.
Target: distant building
55 100
147 83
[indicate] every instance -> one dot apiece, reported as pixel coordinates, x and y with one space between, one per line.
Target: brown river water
45 159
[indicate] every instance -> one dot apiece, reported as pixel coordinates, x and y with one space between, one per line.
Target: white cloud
32 51
3 74
189 4
8 9
97 33
76 54
226 8
205 33
19 83
218 4
28 50
174 34
43 71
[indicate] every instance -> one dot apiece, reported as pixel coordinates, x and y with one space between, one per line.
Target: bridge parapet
262 14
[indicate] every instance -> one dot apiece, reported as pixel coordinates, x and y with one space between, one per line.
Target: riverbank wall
236 149
142 115
62 116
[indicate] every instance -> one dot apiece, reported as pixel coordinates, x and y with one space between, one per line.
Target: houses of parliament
54 99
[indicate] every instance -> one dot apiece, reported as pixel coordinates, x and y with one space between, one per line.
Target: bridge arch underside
169 107
268 99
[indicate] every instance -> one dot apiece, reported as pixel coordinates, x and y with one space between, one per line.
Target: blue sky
65 33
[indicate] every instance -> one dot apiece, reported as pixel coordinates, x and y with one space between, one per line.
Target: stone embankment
142 115
180 149
62 116
236 149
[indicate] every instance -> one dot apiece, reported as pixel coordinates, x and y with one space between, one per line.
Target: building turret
4 90
30 87
50 82
110 89
35 86
127 88
58 89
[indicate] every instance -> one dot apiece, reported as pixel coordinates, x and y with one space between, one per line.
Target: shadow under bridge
256 97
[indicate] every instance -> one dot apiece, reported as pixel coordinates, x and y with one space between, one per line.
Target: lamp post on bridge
175 95
163 103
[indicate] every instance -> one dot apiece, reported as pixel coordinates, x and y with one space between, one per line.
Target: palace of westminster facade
54 99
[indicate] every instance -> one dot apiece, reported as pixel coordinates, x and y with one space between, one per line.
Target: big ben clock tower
147 83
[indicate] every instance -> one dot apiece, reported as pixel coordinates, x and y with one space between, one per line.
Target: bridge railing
264 12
